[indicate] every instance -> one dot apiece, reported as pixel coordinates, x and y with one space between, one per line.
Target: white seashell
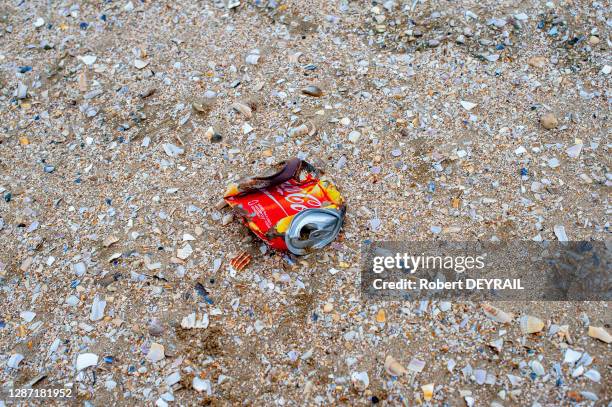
468 105
243 109
600 333
139 63
79 269
227 219
450 365
560 233
88 59
354 136
110 240
360 380
201 385
72 300
571 356
537 368
301 130
252 59
593 375
579 371
427 391
295 58
480 375
445 306
14 361
393 367
97 309
156 352
585 360
496 314
190 321
514 380
212 136
184 252
173 378
27 316
574 151
171 150
530 324
21 92
84 360
312 90
416 365
246 128
155 327
497 344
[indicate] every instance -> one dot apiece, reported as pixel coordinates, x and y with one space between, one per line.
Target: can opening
307 231
312 229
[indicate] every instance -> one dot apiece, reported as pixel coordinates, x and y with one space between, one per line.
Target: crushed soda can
292 207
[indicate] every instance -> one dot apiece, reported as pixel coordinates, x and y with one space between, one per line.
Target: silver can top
313 229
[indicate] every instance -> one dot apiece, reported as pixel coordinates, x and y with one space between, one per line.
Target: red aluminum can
294 207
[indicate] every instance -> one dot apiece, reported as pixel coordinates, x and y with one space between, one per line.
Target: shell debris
393 367
530 324
240 261
496 314
312 90
600 333
428 391
243 109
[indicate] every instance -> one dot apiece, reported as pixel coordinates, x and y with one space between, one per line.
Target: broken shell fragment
549 121
84 360
241 261
600 333
114 256
243 109
184 252
360 380
312 90
393 367
148 92
227 219
427 391
201 385
537 368
221 203
203 105
303 129
496 314
110 240
140 64
295 57
530 324
156 352
192 322
416 365
212 135
155 328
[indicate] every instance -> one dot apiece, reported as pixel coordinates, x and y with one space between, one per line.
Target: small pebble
312 90
549 121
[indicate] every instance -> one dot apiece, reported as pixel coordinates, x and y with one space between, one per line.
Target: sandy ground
106 164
